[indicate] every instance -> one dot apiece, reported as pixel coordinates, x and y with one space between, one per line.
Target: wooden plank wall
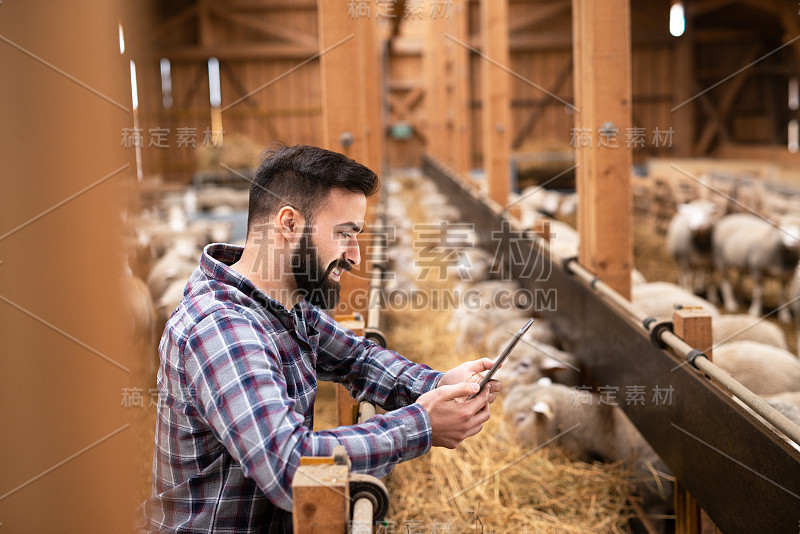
258 42
286 108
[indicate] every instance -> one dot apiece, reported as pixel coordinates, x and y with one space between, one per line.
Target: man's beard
314 282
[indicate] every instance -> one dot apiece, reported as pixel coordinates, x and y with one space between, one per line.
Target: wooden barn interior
547 146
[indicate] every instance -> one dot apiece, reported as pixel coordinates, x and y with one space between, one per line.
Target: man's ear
290 223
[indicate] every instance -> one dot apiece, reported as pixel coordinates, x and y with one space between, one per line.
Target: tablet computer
499 361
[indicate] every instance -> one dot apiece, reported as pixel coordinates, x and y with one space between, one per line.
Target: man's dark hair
302 176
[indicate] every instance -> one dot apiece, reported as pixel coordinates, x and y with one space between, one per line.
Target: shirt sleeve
239 389
369 371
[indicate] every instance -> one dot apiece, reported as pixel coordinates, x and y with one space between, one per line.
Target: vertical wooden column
69 355
495 92
683 118
461 139
602 53
343 106
693 325
346 405
433 62
372 83
345 61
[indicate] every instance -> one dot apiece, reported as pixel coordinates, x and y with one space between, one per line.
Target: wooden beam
462 116
541 106
683 118
495 96
535 14
268 29
693 325
726 101
272 5
602 57
434 73
205 32
236 51
249 100
372 81
344 115
169 25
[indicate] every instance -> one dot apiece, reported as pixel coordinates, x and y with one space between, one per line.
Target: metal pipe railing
362 516
684 350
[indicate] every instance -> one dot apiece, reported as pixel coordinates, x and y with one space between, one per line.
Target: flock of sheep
714 250
164 245
545 399
540 376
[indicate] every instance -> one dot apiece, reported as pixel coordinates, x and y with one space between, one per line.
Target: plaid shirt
237 384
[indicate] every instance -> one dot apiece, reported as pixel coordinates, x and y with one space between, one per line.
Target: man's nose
353 253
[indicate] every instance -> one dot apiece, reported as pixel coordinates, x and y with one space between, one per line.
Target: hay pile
490 483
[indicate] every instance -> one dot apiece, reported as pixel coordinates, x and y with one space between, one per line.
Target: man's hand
453 417
471 372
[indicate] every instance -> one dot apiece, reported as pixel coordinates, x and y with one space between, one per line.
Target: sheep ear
543 408
551 364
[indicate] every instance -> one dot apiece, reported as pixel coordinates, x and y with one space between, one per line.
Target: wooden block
321 495
693 325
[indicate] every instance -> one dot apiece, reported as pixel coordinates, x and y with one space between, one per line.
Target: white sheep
176 264
473 326
542 332
743 327
660 299
689 242
471 264
588 429
754 245
530 361
763 369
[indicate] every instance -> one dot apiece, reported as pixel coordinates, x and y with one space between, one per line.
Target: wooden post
495 91
434 73
542 229
346 405
693 325
372 83
462 125
321 499
345 43
602 54
684 88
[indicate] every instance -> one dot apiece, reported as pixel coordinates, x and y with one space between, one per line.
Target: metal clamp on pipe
376 335
693 355
370 501
657 331
567 262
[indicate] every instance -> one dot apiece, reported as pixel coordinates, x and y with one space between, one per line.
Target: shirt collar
215 263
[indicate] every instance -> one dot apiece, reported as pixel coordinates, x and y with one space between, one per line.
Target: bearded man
242 353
